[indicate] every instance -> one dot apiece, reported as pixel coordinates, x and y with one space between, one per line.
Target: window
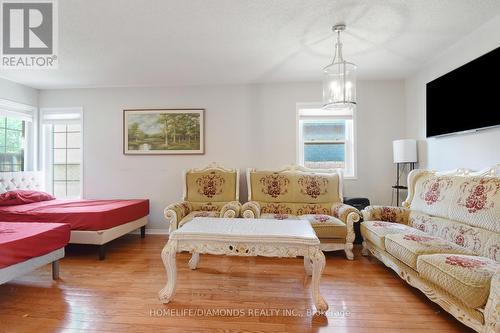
62 151
12 135
326 139
66 163
16 136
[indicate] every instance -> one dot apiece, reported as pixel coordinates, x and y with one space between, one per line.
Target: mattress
22 241
86 215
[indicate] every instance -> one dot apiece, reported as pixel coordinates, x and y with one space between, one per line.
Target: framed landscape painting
163 131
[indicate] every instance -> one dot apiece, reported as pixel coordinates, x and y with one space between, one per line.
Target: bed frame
34 180
11 272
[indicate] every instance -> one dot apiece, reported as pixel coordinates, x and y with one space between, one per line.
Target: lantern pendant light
339 78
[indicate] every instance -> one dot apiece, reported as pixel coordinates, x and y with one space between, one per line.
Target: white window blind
61 116
19 111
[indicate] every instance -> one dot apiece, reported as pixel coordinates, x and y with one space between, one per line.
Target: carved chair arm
349 215
176 212
387 214
231 209
492 309
251 210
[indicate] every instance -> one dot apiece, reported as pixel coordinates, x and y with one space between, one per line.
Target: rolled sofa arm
231 209
387 214
343 212
176 212
349 215
251 210
492 308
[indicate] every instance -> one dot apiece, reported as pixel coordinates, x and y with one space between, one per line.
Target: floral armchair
209 192
301 193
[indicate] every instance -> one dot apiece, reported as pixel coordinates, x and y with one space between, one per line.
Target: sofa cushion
474 201
375 231
433 194
480 241
465 277
295 187
211 186
477 203
194 214
407 247
279 216
326 226
295 208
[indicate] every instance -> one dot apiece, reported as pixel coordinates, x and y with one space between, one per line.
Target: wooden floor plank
272 295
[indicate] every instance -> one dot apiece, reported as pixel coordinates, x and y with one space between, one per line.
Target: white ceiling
197 42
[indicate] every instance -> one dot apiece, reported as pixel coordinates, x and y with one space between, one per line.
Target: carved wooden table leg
308 265
168 256
318 264
195 259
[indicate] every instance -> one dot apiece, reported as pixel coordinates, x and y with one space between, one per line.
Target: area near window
62 151
16 136
325 139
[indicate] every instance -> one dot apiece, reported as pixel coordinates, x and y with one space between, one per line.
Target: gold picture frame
163 131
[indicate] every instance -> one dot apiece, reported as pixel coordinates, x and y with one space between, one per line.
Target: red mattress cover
89 215
22 241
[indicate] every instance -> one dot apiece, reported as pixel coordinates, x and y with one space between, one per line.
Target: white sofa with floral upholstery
209 192
296 192
445 242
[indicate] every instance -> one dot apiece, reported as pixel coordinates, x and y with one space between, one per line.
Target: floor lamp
404 154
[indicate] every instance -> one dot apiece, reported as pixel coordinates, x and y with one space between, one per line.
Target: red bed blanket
22 241
89 215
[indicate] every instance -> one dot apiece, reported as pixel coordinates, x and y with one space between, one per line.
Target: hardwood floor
120 295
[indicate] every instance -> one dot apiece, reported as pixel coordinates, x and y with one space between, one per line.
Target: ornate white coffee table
245 237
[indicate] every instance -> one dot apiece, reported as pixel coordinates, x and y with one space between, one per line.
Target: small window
326 139
12 136
62 152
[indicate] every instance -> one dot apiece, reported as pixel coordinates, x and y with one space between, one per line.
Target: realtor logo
29 38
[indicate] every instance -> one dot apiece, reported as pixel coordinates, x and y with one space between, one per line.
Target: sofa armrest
492 309
231 209
387 214
349 215
176 212
345 212
251 210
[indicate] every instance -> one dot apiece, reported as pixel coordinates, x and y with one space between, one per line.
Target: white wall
18 93
246 126
477 150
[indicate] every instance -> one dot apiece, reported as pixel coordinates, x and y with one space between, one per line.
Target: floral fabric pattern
386 213
210 185
313 186
312 209
477 194
435 189
321 218
466 262
209 207
380 224
274 185
276 208
418 238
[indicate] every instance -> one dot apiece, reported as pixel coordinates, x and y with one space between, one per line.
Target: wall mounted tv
465 99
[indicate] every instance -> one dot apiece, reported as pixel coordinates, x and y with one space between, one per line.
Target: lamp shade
404 151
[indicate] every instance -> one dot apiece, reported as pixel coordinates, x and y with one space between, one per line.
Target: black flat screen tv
465 99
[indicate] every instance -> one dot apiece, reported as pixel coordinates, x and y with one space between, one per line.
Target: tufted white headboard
24 180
